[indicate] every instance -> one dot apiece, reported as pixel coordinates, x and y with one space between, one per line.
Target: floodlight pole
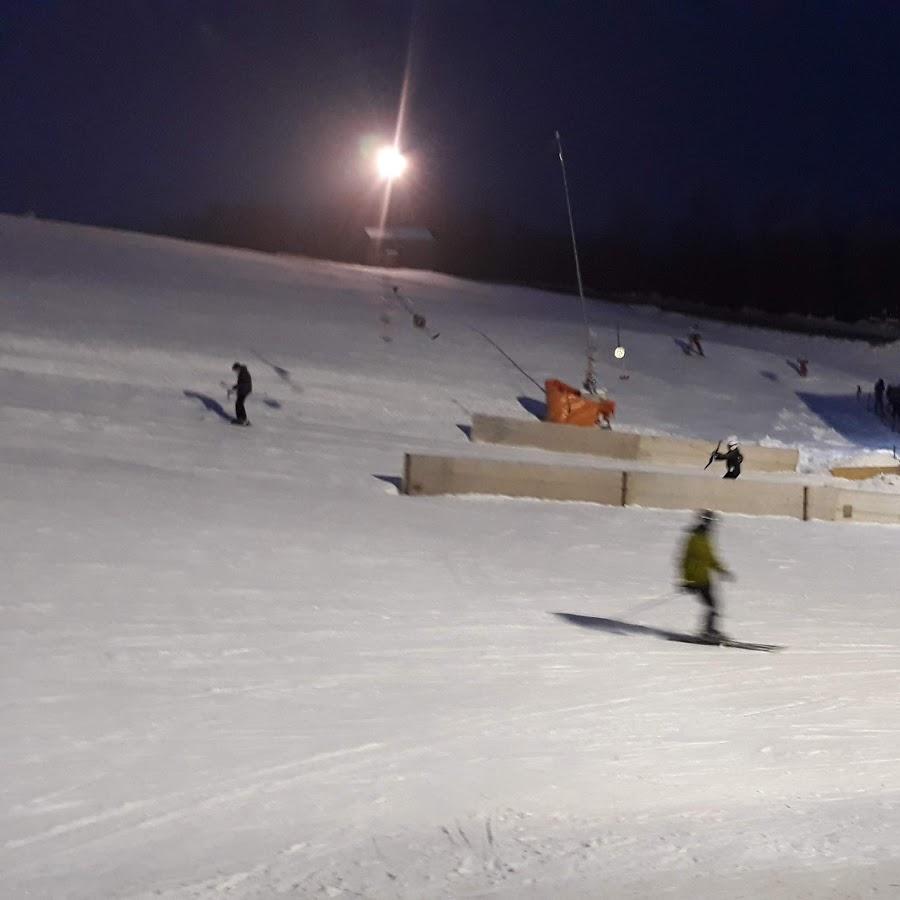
590 367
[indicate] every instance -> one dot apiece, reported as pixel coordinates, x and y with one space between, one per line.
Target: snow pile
237 663
868 458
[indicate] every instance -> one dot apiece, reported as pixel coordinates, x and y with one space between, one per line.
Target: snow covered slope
236 662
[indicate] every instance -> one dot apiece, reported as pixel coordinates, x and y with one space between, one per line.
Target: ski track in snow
237 664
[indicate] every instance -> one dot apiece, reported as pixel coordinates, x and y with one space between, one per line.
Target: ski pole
650 603
712 456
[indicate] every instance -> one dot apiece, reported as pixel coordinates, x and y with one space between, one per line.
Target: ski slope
236 663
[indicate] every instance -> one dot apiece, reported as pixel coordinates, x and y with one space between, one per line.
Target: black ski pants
240 413
708 598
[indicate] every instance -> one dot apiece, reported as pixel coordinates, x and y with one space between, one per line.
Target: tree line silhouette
848 271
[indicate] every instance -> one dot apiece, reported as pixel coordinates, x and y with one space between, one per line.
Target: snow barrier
862 473
853 505
425 474
620 445
664 490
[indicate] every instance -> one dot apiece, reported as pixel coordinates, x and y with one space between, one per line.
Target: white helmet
731 442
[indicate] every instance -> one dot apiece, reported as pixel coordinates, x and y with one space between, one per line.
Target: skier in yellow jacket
697 565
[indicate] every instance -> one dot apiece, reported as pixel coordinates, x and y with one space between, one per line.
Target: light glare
391 163
619 352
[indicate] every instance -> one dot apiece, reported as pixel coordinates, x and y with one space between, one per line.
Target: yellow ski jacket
699 560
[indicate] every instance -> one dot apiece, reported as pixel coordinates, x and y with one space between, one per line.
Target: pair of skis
725 642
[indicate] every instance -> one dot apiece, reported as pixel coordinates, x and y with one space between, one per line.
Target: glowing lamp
391 163
619 352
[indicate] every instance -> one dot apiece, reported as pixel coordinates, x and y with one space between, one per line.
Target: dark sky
135 110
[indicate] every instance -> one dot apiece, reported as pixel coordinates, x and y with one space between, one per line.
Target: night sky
131 111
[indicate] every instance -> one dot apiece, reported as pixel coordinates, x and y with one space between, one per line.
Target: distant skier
879 397
892 395
698 562
694 342
242 389
732 456
418 319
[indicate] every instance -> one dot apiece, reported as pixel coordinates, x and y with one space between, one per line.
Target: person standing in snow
242 389
879 397
694 342
733 458
698 562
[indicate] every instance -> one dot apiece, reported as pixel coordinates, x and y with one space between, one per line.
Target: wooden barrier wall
431 475
621 445
424 474
662 490
553 436
848 505
862 473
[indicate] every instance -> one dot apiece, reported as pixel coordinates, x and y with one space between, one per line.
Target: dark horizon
691 129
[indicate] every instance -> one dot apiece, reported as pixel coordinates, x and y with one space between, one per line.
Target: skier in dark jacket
694 342
733 458
242 389
698 562
879 397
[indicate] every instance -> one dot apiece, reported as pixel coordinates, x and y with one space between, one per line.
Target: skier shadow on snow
616 626
771 376
272 403
537 408
848 417
685 346
209 403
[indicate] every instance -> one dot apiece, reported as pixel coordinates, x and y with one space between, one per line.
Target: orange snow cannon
567 405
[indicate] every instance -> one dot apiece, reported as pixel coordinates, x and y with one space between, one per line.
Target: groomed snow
237 663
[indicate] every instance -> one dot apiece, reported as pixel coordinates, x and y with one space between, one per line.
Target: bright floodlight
391 163
619 352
